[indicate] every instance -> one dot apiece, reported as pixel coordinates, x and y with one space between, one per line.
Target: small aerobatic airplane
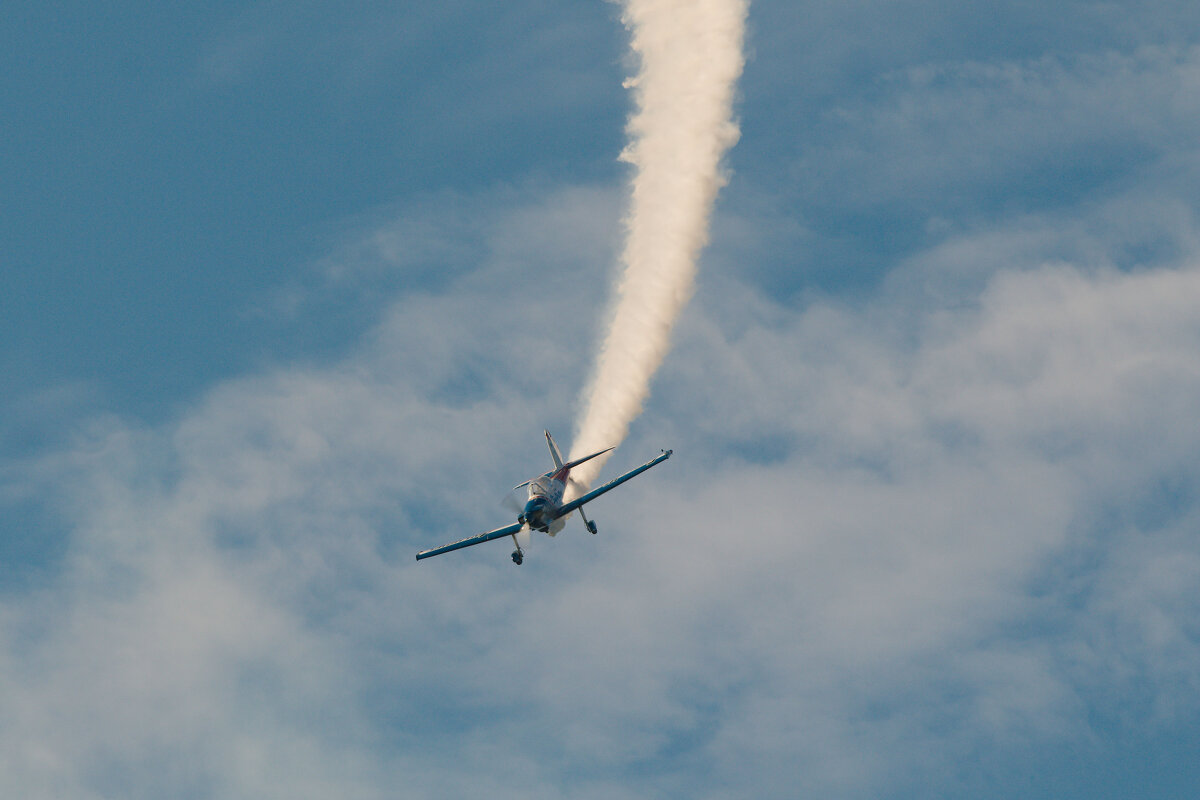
545 511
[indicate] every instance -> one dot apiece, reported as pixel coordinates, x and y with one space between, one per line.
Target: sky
289 291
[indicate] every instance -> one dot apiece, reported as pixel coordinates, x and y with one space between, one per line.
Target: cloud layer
929 529
900 535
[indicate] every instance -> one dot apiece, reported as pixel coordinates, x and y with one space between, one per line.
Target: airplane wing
499 533
567 508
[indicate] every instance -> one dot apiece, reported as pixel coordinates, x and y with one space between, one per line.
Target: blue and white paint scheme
545 510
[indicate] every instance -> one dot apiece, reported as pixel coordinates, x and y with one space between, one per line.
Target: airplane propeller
511 502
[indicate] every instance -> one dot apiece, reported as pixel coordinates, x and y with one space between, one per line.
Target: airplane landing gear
517 557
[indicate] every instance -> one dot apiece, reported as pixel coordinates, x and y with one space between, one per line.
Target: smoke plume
690 54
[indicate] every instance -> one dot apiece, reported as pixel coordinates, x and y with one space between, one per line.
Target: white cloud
947 497
1029 134
1085 148
895 535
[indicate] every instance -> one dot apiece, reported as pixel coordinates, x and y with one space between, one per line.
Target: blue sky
289 292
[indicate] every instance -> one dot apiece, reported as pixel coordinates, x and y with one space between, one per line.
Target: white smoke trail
690 55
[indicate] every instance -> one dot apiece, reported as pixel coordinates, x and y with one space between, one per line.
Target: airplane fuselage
545 497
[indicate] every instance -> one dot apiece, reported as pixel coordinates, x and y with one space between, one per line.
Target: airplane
544 510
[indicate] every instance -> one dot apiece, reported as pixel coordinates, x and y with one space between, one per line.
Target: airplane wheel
517 557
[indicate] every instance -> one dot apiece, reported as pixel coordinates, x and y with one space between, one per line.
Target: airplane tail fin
558 462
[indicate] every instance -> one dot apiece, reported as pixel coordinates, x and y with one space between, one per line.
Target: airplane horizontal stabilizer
579 461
